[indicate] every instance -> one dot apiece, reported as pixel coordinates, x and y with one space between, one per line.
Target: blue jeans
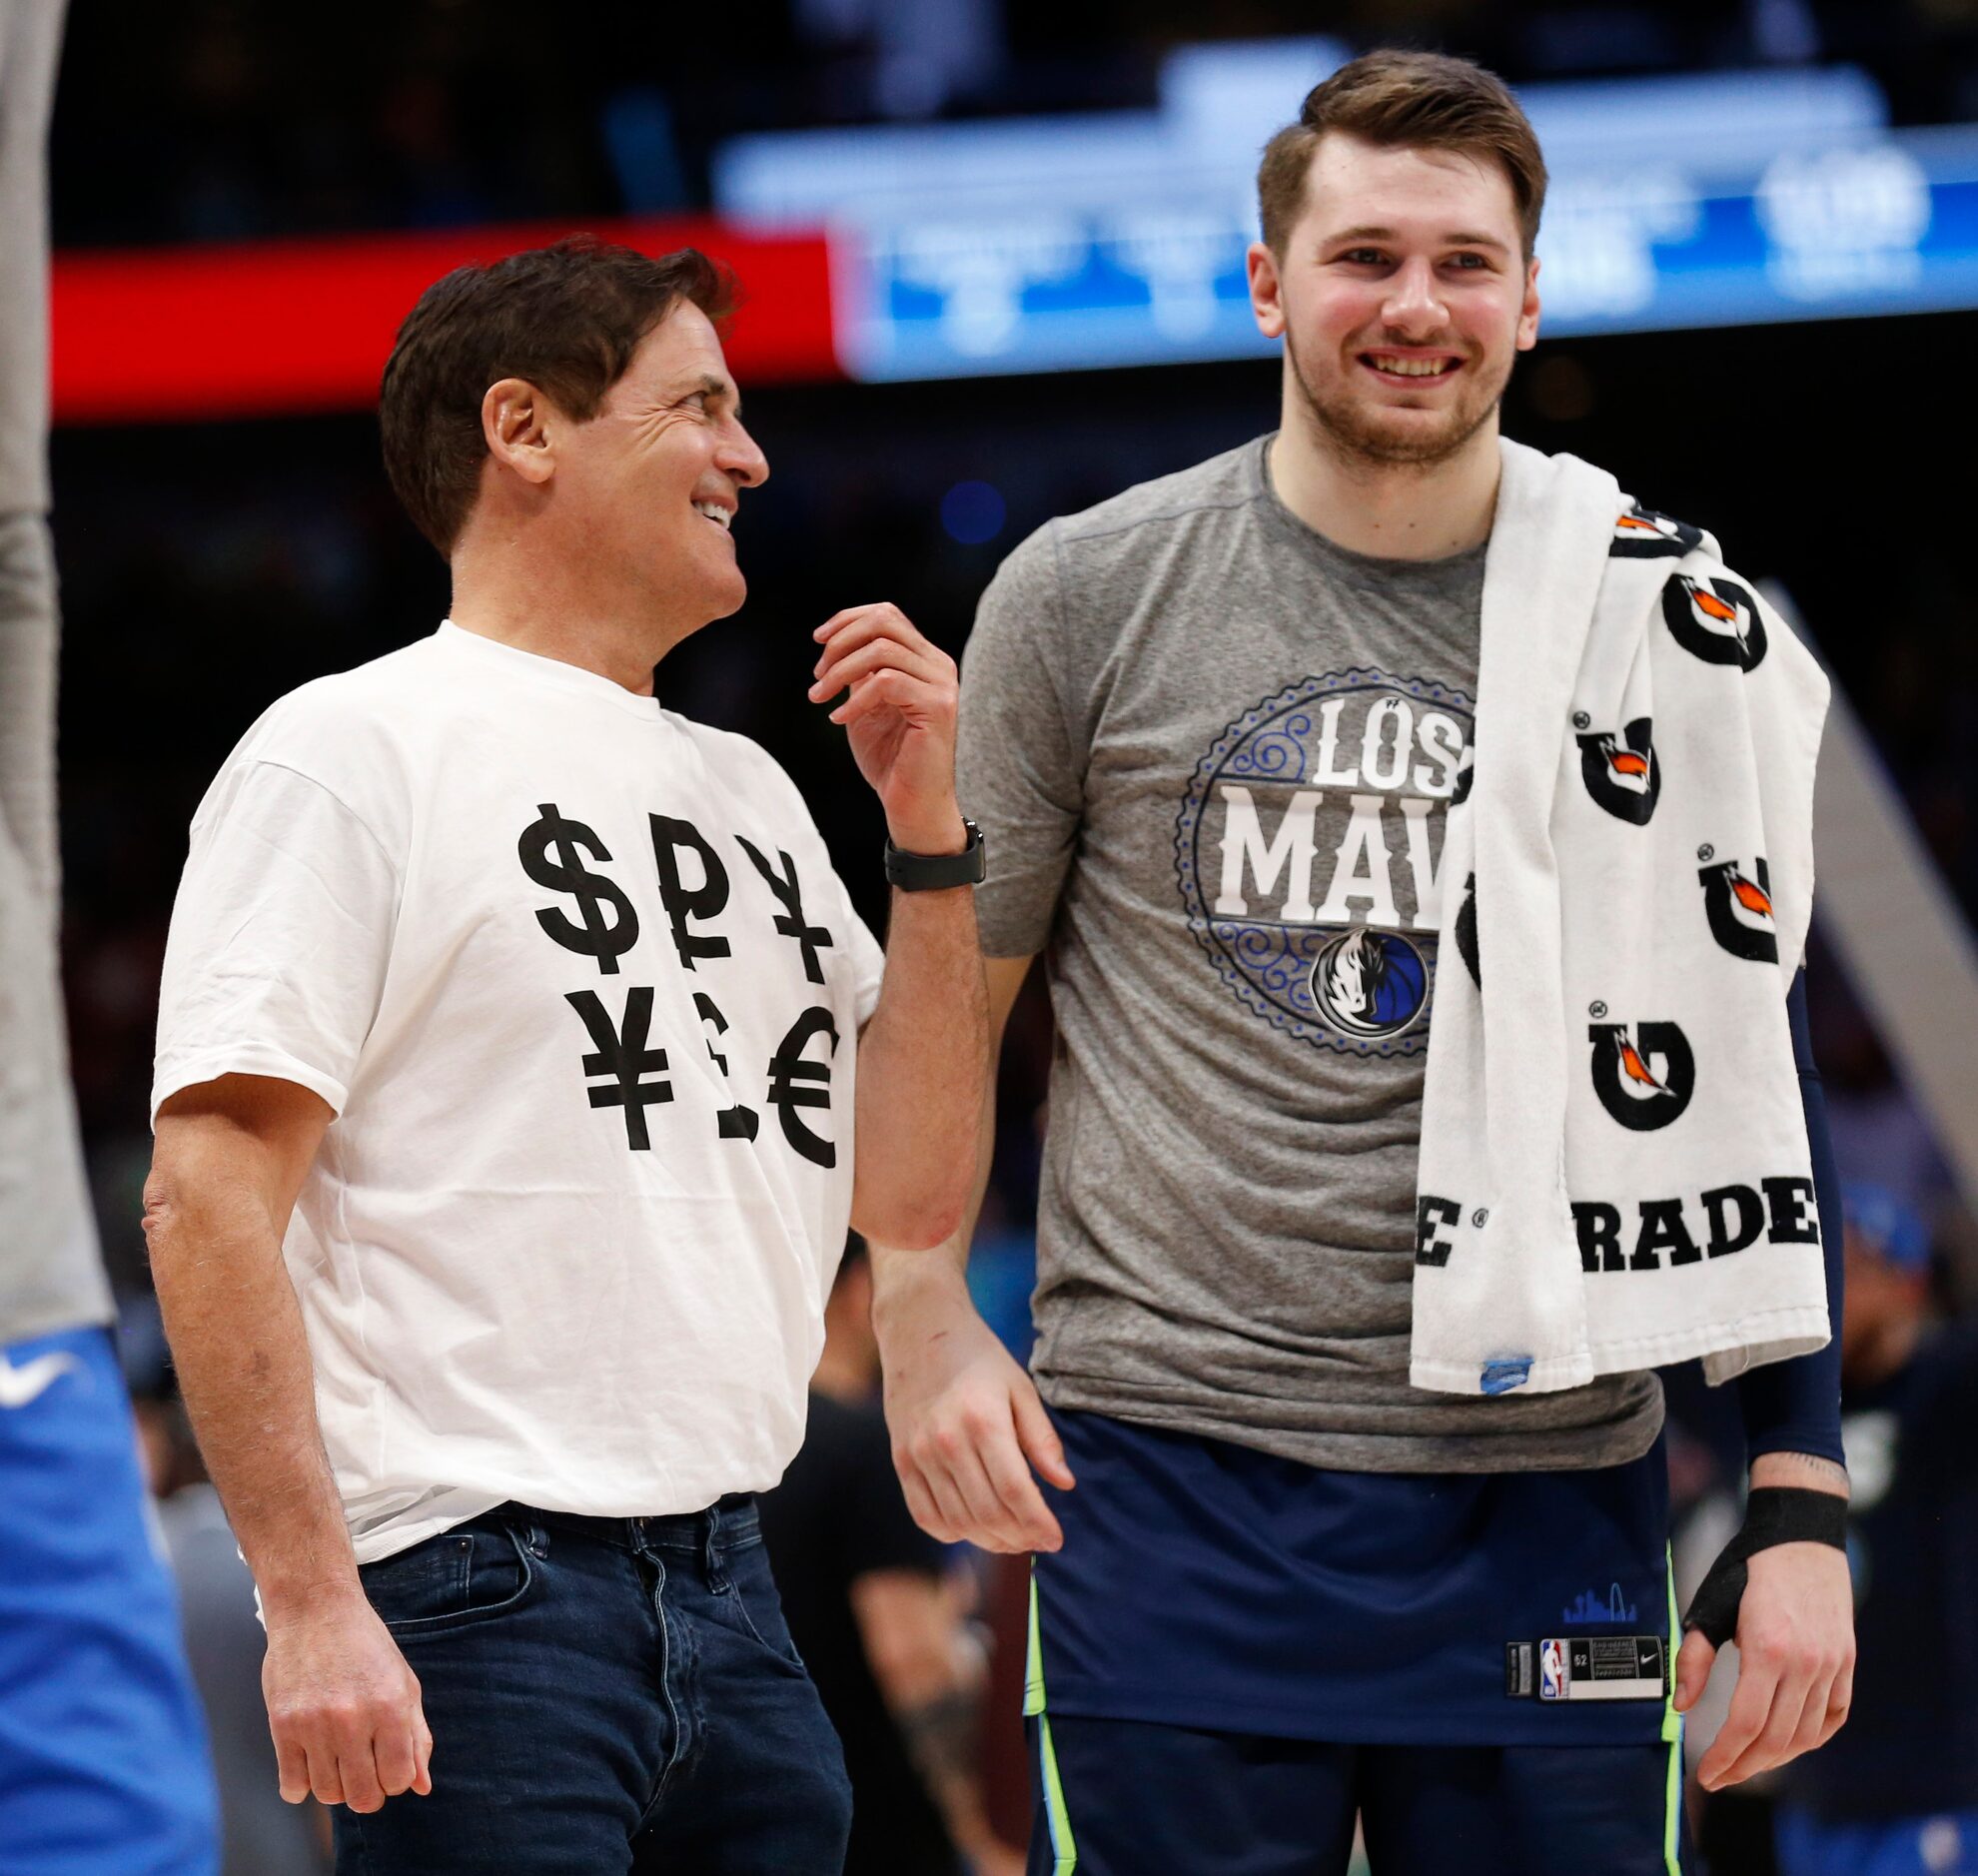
607 1695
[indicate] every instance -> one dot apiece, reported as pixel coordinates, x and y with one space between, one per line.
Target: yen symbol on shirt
625 1058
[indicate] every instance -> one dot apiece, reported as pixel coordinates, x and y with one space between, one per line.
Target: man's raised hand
899 712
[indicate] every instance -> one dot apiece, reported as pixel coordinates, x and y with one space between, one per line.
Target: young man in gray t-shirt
1211 728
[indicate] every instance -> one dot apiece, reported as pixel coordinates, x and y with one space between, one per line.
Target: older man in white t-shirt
521 1063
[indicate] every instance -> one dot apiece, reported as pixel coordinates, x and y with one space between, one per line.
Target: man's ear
1527 313
1266 297
515 423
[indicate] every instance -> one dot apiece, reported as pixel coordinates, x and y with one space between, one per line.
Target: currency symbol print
790 922
736 1121
625 1072
797 1082
550 851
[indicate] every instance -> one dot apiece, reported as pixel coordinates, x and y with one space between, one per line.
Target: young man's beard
1350 430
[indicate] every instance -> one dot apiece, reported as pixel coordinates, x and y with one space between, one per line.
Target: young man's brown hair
565 318
1405 100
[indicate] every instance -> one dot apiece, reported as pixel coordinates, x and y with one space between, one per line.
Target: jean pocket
468 1575
753 1586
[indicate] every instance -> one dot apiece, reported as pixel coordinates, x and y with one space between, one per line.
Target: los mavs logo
1308 852
1642 534
1369 983
1644 1073
1739 907
1716 619
1621 770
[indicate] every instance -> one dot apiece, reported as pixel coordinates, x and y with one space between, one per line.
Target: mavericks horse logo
1369 983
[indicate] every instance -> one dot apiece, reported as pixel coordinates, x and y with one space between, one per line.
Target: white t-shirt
585 992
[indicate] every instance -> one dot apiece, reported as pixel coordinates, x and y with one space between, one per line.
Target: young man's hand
966 1423
343 1708
1795 1645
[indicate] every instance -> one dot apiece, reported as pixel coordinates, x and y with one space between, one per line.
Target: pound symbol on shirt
606 927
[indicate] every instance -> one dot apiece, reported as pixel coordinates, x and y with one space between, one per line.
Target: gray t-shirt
51 1274
1211 752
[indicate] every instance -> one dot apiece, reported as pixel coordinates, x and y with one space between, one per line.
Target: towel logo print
1643 1073
1622 771
1716 619
1642 534
1739 907
1465 931
1308 854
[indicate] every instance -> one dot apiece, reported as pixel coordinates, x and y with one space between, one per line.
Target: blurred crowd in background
223 118
208 568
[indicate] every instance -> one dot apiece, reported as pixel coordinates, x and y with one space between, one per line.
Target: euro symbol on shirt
549 853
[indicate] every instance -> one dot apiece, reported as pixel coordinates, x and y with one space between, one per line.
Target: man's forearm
243 1365
900 1276
922 1065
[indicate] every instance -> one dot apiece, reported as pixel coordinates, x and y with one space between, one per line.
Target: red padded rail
281 327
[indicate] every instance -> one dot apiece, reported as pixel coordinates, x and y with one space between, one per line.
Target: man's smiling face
655 479
1403 296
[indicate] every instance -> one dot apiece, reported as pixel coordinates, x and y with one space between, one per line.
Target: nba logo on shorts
1551 1671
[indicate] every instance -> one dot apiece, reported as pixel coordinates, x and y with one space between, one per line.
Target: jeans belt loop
717 1578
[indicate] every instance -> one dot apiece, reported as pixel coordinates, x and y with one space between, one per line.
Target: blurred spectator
1895 1792
902 58
879 1616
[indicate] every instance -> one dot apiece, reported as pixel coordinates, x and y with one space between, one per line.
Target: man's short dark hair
565 318
1405 100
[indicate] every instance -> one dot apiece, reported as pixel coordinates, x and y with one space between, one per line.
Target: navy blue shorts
1233 1653
1125 1798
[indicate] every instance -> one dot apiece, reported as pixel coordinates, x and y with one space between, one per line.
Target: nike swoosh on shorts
19 1385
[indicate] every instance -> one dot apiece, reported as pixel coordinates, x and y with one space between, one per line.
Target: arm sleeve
280 937
1794 1406
1018 763
867 958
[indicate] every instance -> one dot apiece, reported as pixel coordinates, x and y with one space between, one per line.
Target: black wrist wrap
1773 1514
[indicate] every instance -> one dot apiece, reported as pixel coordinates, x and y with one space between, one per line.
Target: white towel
1614 1172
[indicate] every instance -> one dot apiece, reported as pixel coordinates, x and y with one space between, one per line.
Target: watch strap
932 872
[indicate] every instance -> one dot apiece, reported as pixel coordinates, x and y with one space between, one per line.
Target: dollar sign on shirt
549 851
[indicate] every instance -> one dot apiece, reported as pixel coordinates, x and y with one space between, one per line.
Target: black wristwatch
930 872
